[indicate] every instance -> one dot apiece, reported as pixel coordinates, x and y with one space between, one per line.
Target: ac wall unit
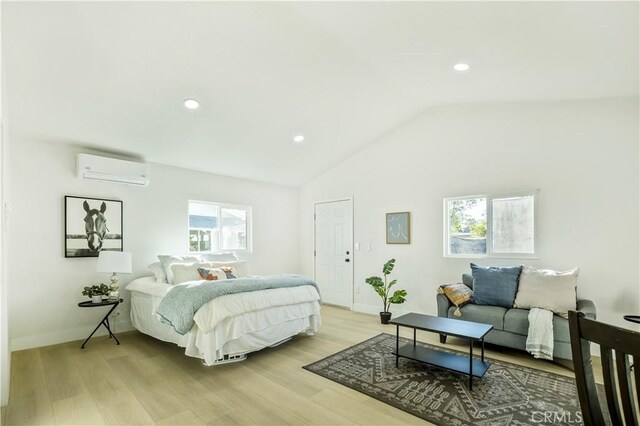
106 169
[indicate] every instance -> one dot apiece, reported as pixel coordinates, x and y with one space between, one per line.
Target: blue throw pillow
495 286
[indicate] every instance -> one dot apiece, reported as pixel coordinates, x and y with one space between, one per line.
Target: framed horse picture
91 225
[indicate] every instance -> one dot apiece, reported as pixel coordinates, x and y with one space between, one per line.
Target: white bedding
231 325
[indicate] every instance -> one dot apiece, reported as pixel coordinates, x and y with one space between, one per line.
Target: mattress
229 326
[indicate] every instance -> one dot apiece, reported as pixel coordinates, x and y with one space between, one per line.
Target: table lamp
114 262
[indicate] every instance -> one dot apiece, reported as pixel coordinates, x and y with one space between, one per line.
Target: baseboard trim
346 308
64 336
375 309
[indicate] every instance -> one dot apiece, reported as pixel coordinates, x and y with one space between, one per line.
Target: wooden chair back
620 354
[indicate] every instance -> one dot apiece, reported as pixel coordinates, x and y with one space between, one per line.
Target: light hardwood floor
145 381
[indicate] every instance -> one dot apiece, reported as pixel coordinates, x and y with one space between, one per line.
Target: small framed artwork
398 228
91 226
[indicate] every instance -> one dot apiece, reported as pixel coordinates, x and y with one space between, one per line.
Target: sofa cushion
467 279
517 321
493 315
495 286
561 329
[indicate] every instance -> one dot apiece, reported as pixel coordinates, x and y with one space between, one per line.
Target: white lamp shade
114 261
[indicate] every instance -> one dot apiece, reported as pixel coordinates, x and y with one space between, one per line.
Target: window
490 225
215 227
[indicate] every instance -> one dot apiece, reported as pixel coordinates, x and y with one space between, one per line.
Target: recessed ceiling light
461 67
191 103
298 138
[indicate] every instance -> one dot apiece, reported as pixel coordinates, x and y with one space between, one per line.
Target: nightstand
105 320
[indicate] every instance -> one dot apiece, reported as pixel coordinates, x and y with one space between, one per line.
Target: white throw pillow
183 272
219 257
168 260
547 289
240 266
158 271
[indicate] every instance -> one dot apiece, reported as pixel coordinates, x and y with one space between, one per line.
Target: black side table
105 320
632 318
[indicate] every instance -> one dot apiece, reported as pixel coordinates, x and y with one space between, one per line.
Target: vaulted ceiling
114 75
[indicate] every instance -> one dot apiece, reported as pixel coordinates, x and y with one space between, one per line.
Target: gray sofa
511 326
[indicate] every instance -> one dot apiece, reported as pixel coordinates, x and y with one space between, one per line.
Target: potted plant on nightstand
383 289
95 292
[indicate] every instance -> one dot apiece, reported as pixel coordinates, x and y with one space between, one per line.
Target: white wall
44 286
583 156
5 348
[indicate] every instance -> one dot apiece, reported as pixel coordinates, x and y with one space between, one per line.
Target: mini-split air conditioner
104 169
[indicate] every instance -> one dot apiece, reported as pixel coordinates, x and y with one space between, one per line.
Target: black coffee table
474 331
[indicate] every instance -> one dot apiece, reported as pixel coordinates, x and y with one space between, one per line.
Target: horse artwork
95 224
92 225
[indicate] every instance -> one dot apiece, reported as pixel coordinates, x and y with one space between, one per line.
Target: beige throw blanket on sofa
540 338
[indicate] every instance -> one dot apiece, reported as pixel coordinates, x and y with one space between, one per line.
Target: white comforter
231 324
217 310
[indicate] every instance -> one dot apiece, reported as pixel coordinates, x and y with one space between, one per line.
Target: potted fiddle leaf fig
384 291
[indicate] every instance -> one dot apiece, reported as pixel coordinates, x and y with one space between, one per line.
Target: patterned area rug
508 394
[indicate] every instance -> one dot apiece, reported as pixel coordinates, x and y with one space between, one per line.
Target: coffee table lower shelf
453 362
474 331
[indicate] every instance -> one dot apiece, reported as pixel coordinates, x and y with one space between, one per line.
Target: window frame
490 254
220 206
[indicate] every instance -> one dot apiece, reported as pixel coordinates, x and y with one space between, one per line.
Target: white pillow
219 257
158 271
183 272
168 260
240 266
547 289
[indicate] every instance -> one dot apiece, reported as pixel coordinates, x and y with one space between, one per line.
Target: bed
228 327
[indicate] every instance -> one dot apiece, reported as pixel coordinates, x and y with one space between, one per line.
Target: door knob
347 252
347 260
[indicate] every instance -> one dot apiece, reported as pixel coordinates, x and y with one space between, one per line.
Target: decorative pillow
229 272
212 274
495 286
240 267
547 289
168 260
219 257
158 271
183 272
458 294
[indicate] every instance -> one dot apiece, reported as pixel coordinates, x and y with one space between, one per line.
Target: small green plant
383 289
96 290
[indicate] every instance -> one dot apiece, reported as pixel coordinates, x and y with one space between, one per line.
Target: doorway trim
333 200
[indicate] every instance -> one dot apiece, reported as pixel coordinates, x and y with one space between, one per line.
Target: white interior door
334 252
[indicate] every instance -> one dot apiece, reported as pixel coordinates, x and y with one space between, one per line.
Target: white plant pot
96 299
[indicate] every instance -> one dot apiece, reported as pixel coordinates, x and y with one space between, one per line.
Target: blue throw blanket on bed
180 304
